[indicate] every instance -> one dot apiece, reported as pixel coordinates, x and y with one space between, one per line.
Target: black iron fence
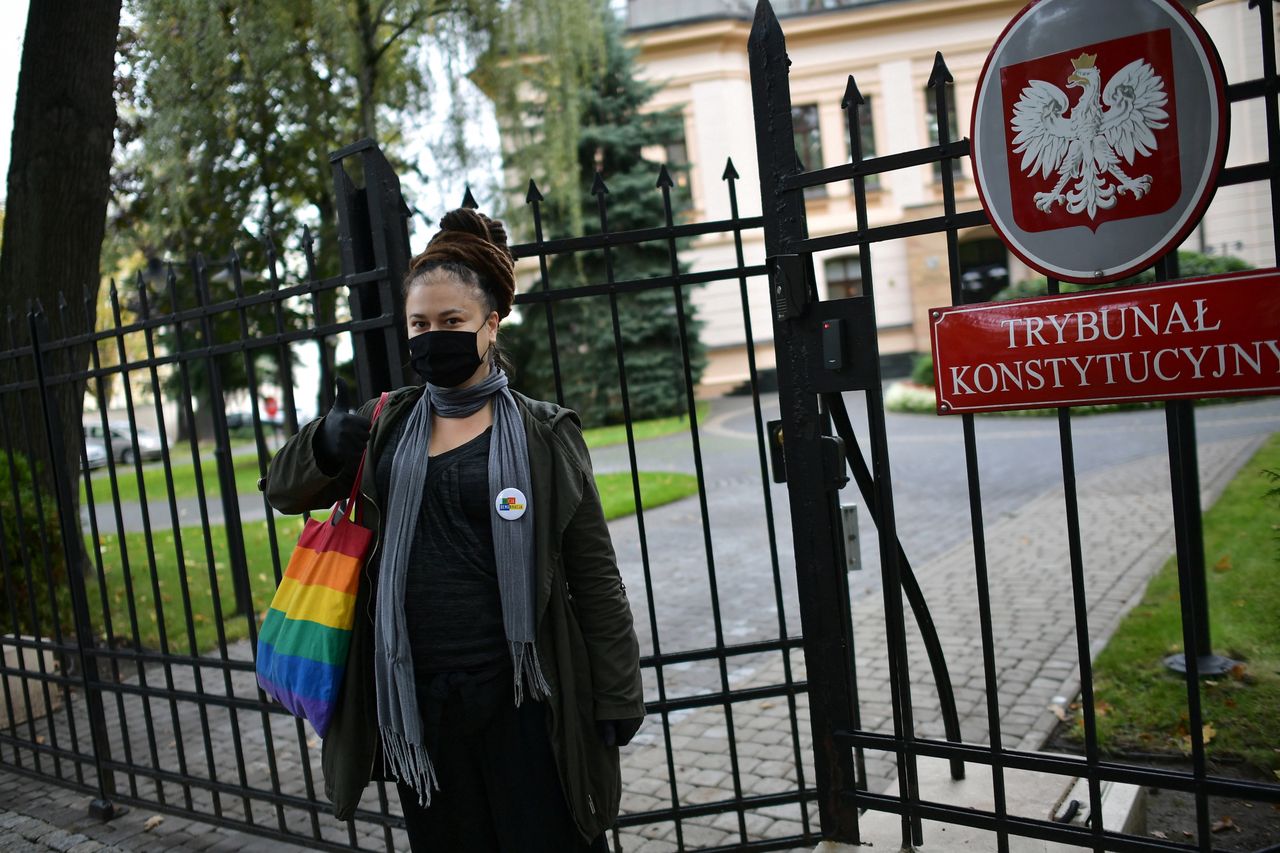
821 443
133 608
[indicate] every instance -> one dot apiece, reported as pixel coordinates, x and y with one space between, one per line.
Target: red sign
1144 178
1209 337
272 406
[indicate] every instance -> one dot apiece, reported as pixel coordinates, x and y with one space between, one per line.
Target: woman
493 669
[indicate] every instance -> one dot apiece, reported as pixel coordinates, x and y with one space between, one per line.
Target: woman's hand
618 732
342 435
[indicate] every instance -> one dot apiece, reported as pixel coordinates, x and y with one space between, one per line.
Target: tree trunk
55 213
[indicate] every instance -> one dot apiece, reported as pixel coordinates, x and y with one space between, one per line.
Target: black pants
499 788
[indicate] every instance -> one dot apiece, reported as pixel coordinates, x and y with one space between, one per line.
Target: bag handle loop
345 506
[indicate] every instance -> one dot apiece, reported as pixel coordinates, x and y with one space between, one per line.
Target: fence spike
111 289
35 307
270 243
852 95
468 200
597 186
533 195
62 301
664 178
730 173
143 302
941 74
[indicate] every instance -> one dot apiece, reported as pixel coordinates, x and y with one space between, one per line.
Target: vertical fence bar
665 184
188 410
1080 601
100 393
600 191
533 198
251 375
824 607
730 177
1184 475
939 79
232 529
144 509
69 522
12 456
184 589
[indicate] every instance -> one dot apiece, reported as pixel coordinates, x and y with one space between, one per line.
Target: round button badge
511 504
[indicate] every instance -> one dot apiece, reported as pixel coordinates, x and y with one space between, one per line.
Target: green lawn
184 479
1141 706
657 488
246 466
656 428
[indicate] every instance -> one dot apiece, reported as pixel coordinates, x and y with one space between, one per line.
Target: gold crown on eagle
1085 60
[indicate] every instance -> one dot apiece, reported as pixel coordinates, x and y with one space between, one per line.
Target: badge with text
1098 131
1209 337
511 504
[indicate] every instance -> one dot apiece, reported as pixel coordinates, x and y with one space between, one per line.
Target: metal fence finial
468 200
940 74
852 95
534 195
598 186
730 173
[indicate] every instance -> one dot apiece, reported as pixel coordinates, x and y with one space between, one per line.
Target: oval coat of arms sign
1099 127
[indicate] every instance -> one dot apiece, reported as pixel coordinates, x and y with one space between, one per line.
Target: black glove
342 435
618 732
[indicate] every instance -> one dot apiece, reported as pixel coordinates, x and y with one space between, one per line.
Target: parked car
95 454
121 441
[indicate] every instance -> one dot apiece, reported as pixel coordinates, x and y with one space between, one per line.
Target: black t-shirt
452 605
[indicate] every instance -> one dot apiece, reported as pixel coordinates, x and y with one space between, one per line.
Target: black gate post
373 234
69 522
811 466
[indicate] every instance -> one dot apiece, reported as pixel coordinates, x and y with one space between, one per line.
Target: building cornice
901 13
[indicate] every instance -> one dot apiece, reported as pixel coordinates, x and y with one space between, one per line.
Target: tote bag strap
345 507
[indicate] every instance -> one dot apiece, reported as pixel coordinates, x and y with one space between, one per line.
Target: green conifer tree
615 130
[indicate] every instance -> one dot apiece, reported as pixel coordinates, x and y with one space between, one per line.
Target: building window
867 136
984 269
931 118
844 277
808 142
676 156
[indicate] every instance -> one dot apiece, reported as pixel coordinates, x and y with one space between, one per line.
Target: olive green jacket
585 639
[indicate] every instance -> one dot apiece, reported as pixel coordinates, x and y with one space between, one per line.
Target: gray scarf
399 720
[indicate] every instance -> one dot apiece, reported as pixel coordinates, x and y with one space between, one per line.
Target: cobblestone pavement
1125 518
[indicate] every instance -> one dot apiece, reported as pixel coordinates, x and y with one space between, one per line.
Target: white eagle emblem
1087 146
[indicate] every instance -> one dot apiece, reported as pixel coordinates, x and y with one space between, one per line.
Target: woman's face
440 301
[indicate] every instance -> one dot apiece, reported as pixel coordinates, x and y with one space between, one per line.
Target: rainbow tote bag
303 641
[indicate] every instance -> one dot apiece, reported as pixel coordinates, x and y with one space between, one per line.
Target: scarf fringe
409 763
527 671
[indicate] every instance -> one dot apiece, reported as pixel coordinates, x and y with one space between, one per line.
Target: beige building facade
697 51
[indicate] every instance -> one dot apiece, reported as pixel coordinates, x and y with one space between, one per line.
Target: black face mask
443 357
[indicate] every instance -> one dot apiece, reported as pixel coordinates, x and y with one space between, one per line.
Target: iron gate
145 696
821 442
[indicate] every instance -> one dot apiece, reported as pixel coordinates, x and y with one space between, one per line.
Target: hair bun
474 222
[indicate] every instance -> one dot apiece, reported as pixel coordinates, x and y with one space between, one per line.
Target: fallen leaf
1101 708
1155 833
313 743
1238 671
1207 732
152 822
766 705
1059 712
1223 824
39 738
1223 564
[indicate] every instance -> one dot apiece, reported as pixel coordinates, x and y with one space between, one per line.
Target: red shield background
1163 164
